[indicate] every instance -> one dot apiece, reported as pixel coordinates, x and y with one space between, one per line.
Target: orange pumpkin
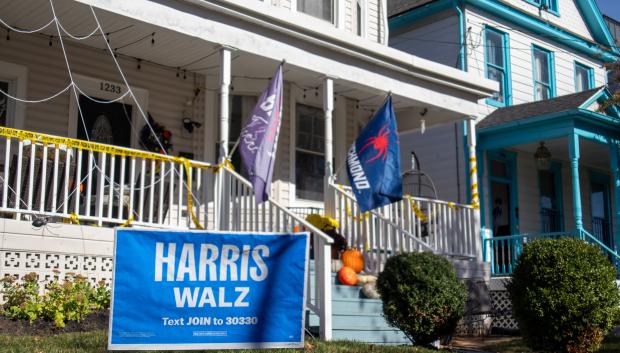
347 276
353 259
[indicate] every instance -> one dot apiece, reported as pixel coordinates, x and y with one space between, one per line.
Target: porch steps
356 318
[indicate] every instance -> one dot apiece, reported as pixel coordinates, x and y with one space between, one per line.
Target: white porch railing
60 179
413 224
239 212
52 177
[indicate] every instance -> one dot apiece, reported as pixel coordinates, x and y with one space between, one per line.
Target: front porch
550 170
74 165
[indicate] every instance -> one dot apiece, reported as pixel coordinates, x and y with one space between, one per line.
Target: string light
8 34
153 39
178 72
50 42
139 64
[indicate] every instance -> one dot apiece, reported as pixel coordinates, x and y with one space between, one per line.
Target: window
550 185
498 65
584 77
240 110
4 103
323 9
544 85
358 17
309 153
547 5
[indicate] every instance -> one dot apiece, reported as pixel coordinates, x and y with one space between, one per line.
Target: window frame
17 78
297 149
556 173
507 84
550 6
334 11
550 69
589 71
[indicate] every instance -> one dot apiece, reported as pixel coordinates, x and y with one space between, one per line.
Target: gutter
441 78
462 34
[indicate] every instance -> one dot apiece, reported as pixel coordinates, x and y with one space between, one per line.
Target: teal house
547 162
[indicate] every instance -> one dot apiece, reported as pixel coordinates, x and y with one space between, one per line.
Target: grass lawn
610 345
96 342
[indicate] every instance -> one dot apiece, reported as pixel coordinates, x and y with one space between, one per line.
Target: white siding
521 59
569 19
441 156
47 74
435 38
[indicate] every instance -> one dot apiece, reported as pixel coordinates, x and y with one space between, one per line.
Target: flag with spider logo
373 161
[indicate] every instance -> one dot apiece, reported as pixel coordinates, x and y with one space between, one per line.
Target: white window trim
363 15
337 13
91 86
310 100
17 77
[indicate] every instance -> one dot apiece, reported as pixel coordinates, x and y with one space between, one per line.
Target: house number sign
110 87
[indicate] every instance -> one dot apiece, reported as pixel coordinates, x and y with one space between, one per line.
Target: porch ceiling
593 154
132 38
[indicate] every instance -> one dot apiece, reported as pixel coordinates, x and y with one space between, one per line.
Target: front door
107 123
502 181
599 203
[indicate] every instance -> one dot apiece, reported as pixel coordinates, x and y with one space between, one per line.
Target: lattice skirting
502 308
51 265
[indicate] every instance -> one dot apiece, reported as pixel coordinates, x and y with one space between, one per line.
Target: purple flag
259 138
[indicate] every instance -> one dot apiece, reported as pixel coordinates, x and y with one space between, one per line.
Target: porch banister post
573 150
225 63
328 108
615 172
222 177
473 178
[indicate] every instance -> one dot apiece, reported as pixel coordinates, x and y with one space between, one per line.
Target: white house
547 155
80 80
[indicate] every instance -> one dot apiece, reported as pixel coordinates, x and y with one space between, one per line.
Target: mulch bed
95 321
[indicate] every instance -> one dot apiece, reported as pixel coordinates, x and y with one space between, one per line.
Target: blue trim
550 6
462 34
589 72
593 18
551 71
588 124
573 152
507 82
411 16
510 159
522 19
615 173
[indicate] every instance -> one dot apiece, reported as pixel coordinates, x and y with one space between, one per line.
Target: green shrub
564 295
421 296
69 300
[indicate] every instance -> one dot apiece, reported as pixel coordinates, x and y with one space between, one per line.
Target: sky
610 8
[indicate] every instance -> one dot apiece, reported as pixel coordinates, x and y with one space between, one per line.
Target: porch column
573 152
328 108
615 173
225 64
222 180
473 182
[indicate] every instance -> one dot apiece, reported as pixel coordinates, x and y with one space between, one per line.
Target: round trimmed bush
564 295
421 296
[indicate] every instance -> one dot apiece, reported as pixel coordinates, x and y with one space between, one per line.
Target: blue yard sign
207 290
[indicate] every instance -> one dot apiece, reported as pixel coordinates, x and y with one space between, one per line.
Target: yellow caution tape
73 218
127 222
190 201
93 146
416 210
